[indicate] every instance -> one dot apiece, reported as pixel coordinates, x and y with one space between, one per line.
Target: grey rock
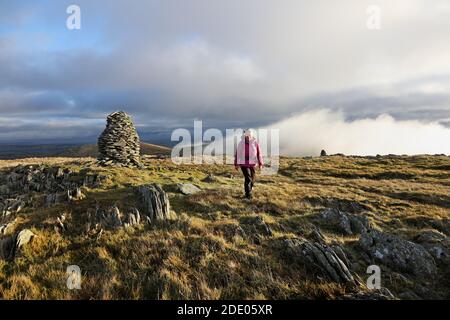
317 236
188 188
437 244
262 227
319 256
431 236
255 228
4 189
11 206
60 223
133 218
55 198
5 228
69 195
7 247
341 254
113 217
94 180
11 245
399 254
38 178
74 195
337 218
347 223
23 238
155 200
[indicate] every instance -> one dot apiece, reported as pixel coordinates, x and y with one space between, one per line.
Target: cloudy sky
251 63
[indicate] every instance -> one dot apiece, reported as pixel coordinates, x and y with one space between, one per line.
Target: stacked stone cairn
119 143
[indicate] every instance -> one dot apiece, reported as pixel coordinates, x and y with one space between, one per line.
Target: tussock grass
199 255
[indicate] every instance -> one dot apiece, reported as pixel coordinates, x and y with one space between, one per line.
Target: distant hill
90 150
73 151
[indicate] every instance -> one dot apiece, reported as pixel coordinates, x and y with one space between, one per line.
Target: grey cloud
229 63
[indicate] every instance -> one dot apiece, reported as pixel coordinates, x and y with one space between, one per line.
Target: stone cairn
119 143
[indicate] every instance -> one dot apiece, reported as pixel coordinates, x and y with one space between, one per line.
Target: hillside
310 232
72 151
91 150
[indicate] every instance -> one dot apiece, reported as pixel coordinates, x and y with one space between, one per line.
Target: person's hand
260 167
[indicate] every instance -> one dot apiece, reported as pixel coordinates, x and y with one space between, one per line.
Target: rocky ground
170 231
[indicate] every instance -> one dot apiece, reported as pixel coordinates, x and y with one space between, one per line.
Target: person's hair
248 133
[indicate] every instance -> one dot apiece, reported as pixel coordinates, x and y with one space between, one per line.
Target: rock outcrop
111 218
437 244
11 206
155 201
319 256
344 222
399 254
255 228
39 178
119 143
67 196
94 180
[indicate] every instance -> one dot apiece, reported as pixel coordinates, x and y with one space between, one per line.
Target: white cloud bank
310 132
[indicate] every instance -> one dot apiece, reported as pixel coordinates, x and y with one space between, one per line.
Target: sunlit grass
198 254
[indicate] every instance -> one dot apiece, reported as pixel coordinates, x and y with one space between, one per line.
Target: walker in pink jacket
248 154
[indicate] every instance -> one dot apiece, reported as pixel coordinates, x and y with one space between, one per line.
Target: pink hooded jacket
248 154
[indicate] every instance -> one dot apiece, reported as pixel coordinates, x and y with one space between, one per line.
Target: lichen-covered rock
11 245
337 218
431 236
11 206
94 180
437 244
112 217
39 178
319 256
66 196
23 238
188 188
132 218
256 226
399 254
345 222
155 201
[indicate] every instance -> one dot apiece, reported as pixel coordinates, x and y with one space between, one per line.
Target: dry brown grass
197 255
